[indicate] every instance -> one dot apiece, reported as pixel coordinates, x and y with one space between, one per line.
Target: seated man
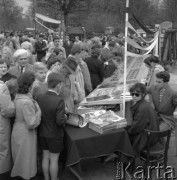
143 117
164 100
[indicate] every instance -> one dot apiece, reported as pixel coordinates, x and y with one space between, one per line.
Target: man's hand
45 48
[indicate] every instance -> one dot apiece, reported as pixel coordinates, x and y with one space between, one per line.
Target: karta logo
142 172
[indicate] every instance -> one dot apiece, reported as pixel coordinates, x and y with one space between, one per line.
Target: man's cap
71 64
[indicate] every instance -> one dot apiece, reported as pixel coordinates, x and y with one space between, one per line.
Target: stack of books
106 122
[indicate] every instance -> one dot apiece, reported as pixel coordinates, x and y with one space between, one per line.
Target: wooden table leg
77 171
118 166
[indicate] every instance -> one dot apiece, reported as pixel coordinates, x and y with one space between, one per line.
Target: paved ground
96 170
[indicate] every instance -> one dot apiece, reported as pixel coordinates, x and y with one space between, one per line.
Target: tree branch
71 4
49 5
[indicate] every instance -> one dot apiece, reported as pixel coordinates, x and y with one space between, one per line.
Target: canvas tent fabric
47 19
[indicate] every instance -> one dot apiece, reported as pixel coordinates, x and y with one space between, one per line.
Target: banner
140 55
139 35
42 24
136 45
47 19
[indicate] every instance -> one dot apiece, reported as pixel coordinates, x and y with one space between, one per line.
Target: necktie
22 69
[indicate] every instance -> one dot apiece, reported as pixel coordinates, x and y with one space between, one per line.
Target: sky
23 3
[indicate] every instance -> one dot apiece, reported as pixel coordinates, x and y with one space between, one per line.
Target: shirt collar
20 67
53 91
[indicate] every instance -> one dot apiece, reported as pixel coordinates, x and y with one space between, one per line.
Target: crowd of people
41 79
44 79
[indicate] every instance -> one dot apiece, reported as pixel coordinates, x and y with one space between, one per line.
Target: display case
111 89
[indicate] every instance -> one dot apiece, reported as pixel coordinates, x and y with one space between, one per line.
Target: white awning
47 19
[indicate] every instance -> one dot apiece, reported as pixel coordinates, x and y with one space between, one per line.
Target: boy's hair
76 49
163 75
25 81
138 87
39 66
112 44
54 79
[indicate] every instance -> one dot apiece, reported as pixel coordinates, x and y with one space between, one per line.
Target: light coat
24 140
7 109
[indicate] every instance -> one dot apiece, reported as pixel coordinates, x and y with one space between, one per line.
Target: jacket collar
24 96
51 92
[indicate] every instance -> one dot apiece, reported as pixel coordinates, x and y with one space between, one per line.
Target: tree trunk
65 23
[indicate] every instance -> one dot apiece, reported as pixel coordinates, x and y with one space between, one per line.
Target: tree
57 9
10 14
95 15
170 8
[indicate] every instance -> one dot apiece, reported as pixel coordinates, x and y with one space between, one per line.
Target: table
83 143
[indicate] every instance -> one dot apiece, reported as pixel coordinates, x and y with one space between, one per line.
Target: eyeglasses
135 94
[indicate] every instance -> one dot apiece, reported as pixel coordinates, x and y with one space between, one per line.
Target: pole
156 48
125 56
34 14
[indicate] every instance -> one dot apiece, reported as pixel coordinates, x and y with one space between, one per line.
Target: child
51 129
39 86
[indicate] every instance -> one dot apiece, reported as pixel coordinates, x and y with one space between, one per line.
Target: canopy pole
34 14
156 48
125 55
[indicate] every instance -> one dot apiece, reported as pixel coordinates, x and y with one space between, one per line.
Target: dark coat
53 115
68 47
38 48
144 117
7 77
96 70
167 106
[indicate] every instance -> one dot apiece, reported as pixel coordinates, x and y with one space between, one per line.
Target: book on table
106 122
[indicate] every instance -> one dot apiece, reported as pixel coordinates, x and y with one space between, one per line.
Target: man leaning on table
164 100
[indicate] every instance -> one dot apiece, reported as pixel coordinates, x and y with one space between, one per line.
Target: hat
70 64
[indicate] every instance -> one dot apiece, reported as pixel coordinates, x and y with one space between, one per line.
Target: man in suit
164 100
21 57
51 128
40 48
67 45
56 44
